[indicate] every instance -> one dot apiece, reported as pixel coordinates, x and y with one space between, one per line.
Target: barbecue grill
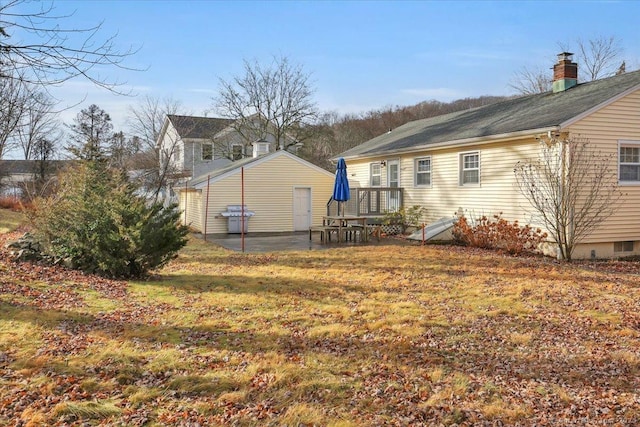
234 215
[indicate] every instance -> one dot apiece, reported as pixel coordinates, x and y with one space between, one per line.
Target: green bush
97 224
405 218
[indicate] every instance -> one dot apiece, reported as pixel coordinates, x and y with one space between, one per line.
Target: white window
236 152
207 151
470 168
260 148
177 154
629 162
376 174
423 172
623 246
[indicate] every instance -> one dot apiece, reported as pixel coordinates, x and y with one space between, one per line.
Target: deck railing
368 201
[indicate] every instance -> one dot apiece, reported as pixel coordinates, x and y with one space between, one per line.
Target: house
464 162
190 146
17 175
283 192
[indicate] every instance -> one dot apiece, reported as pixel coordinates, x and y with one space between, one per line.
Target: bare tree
528 81
147 118
15 96
571 187
597 58
43 182
121 149
152 162
269 102
38 47
39 122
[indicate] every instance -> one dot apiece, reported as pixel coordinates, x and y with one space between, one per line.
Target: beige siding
268 191
604 128
496 192
190 203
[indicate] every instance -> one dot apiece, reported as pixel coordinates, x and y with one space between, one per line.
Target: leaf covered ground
358 336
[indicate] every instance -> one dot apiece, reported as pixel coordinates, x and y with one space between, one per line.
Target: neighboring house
191 146
285 193
464 162
15 175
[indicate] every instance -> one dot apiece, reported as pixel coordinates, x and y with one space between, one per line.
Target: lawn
357 336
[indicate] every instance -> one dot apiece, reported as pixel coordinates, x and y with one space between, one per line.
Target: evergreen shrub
96 223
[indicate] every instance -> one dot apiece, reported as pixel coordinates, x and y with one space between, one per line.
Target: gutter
459 143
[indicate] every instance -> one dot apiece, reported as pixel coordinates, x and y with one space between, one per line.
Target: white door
393 181
301 209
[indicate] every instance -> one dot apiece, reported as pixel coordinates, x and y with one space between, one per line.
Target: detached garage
282 192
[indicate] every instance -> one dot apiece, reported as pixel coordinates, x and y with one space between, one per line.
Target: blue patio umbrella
341 184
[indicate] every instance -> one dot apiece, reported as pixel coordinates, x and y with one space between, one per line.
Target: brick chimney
565 73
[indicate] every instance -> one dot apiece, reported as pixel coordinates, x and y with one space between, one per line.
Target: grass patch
10 220
353 336
87 410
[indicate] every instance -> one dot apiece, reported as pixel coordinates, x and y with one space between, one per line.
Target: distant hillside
336 133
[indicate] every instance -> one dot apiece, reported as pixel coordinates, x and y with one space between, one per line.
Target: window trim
416 172
461 169
622 249
371 175
627 144
261 148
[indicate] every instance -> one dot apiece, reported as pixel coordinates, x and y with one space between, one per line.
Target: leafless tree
269 102
147 118
121 149
571 188
152 163
44 172
528 81
38 123
15 96
38 46
597 58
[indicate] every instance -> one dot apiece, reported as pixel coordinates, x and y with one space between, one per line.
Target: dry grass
391 335
10 220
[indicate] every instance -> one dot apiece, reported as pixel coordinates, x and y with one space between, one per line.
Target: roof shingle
198 127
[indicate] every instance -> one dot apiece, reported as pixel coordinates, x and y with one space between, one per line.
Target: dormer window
236 152
260 147
207 151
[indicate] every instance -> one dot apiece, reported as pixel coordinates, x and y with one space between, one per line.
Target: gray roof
220 171
539 111
198 127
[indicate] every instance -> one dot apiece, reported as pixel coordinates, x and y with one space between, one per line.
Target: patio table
348 224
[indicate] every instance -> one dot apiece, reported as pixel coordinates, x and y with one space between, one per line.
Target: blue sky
361 54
